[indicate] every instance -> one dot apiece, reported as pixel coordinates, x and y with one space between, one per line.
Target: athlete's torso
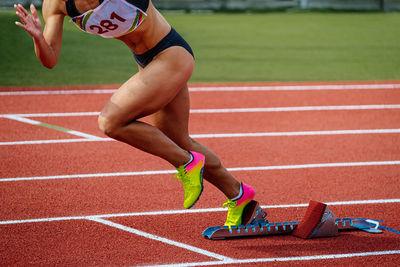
111 19
125 20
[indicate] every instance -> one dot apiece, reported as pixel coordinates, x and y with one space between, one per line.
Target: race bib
113 18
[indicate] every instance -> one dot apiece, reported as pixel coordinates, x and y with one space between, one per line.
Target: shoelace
230 204
183 177
181 173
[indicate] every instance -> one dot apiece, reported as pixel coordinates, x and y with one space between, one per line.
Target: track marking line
192 211
256 168
222 135
229 110
285 259
55 141
62 114
299 108
297 87
88 137
60 92
160 239
299 133
361 86
50 126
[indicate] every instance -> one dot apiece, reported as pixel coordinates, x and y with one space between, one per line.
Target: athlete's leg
173 121
146 92
161 88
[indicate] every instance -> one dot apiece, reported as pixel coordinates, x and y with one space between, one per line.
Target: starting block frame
319 221
279 228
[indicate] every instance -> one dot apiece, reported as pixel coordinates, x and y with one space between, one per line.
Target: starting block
318 221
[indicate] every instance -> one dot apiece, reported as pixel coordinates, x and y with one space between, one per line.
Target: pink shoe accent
248 194
197 157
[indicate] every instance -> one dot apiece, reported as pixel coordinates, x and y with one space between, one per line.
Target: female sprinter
159 88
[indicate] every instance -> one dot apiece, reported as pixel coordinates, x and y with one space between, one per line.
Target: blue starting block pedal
318 221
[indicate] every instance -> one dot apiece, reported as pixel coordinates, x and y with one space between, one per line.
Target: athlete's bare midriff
149 33
146 36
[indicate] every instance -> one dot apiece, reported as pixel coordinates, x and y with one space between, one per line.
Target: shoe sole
250 212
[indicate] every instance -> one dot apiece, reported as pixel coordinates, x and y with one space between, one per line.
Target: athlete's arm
48 43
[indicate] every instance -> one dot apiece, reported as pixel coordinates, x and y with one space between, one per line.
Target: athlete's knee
107 126
102 123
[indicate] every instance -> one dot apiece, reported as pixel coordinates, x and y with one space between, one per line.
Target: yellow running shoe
191 176
236 207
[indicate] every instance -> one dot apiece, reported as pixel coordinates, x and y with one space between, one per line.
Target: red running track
87 202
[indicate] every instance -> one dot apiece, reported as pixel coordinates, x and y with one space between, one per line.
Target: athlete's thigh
152 88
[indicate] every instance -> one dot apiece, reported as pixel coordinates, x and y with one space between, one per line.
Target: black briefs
171 39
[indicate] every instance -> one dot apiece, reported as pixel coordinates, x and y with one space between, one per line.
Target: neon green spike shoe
191 176
236 207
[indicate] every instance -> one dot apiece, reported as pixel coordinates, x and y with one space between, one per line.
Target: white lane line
64 114
223 135
297 87
229 110
257 168
300 108
92 175
317 165
54 127
55 141
300 133
285 259
161 239
59 92
192 211
303 87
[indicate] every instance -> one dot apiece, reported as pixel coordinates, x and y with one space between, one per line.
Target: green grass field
228 48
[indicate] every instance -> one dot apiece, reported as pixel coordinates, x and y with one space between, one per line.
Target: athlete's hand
30 23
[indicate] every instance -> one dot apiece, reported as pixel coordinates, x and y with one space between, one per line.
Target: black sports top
73 12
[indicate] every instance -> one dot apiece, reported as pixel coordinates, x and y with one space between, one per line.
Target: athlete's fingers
17 7
18 13
36 19
34 11
20 25
25 11
18 10
22 10
21 16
